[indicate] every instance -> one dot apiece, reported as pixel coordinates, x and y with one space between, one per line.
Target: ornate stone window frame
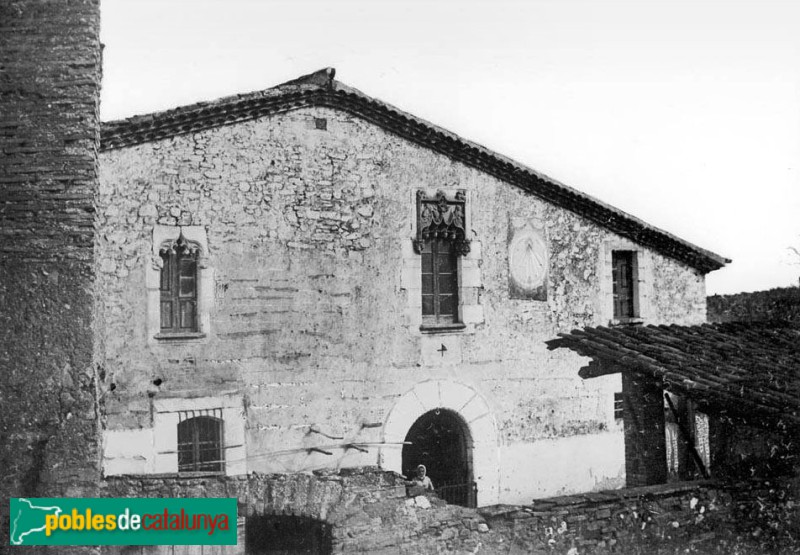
470 310
164 237
443 216
440 217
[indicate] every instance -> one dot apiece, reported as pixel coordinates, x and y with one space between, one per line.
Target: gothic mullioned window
441 238
179 287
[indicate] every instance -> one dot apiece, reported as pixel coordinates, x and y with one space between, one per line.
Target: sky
684 114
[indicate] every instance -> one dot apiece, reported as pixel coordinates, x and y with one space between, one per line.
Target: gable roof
748 369
320 89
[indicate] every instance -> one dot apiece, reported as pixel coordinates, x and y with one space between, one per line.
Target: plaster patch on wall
552 467
128 452
155 450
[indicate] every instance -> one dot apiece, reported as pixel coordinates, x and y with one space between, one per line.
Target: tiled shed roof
747 369
320 89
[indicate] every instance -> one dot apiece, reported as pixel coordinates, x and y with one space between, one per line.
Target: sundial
527 263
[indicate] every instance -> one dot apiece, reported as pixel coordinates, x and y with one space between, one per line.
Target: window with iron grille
179 287
624 284
439 282
200 447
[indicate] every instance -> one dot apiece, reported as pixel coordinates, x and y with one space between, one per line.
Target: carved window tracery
441 238
440 217
180 246
178 290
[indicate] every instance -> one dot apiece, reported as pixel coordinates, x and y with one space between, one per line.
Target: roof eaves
721 366
320 89
541 185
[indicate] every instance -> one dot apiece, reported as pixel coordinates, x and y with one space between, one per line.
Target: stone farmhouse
307 278
218 299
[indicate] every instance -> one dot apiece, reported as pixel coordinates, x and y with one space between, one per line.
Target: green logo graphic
123 521
28 519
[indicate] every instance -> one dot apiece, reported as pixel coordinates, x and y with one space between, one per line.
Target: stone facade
49 94
311 310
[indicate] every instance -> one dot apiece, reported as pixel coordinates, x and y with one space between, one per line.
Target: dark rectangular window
178 292
439 282
624 288
618 405
200 444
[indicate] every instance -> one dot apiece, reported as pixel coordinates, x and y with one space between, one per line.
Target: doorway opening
287 535
440 440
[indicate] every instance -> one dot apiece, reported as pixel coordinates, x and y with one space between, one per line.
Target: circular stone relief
527 259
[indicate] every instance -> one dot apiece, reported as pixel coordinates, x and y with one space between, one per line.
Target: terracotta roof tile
745 369
320 89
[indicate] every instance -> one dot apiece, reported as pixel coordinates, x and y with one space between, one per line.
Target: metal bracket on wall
317 450
313 430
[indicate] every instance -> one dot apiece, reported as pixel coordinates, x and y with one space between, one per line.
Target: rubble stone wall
774 304
314 306
367 511
738 449
49 94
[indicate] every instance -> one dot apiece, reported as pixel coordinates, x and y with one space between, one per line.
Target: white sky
684 114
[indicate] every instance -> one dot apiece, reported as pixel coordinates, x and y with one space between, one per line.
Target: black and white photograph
399 277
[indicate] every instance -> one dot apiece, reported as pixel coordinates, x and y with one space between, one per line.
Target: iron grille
458 494
200 441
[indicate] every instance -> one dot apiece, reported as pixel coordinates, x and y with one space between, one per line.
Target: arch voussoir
470 406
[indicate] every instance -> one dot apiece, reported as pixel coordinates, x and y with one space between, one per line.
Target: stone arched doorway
287 535
440 439
474 411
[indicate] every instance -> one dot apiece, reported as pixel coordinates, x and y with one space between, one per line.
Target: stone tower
50 70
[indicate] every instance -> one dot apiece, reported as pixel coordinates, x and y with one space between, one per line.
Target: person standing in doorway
421 481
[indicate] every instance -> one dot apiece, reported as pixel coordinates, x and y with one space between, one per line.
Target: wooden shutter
623 287
178 292
439 282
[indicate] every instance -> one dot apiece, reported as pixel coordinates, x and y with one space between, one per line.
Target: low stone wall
367 511
630 520
688 517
